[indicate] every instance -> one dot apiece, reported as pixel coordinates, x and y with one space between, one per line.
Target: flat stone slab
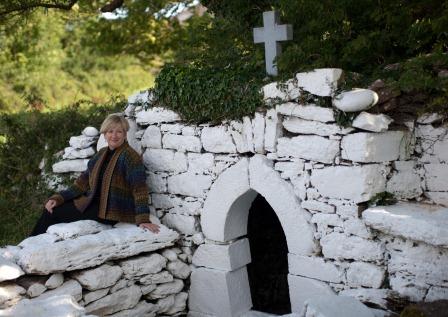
9 270
333 305
420 222
56 255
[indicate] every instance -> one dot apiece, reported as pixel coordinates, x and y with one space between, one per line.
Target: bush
25 139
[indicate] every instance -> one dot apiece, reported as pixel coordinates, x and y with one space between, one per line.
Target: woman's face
115 136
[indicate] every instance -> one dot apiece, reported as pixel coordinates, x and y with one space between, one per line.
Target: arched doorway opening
268 270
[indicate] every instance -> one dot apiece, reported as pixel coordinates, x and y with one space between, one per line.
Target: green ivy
207 94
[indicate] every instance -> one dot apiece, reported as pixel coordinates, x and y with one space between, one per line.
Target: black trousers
67 212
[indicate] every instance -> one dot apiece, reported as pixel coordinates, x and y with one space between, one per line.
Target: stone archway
220 286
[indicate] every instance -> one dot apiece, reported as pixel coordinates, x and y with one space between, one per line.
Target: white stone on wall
200 163
165 160
242 135
365 274
436 177
182 143
187 225
314 267
307 112
217 140
321 82
273 130
189 184
156 115
79 165
301 126
308 147
372 122
258 128
9 270
152 138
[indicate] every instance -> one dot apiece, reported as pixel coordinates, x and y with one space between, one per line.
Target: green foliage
203 94
382 199
27 138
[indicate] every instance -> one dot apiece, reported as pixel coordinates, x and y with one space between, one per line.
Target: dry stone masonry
317 176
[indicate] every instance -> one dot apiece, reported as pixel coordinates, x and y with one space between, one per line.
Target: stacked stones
77 155
90 268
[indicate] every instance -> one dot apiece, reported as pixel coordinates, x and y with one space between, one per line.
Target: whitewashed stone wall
86 268
318 178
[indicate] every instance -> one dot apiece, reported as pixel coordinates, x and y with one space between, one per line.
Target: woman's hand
150 226
50 205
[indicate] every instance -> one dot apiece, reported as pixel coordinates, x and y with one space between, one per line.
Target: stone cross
270 35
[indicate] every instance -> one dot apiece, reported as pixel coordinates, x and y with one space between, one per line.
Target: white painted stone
191 208
339 246
57 306
314 267
166 289
308 147
157 278
408 287
318 206
436 293
71 153
348 211
302 288
436 177
189 184
372 122
156 115
217 140
326 220
156 183
300 184
405 184
152 138
372 147
131 137
35 290
359 183
9 270
179 269
70 287
172 128
223 257
39 241
242 135
200 163
220 293
141 97
321 82
169 254
355 100
189 130
162 160
414 221
55 280
123 299
271 91
99 277
79 165
182 143
165 201
198 238
165 304
81 141
258 128
143 308
301 126
78 228
142 265
95 295
378 297
440 198
307 112
184 224
290 168
82 252
357 227
333 305
180 303
365 274
280 195
101 142
273 130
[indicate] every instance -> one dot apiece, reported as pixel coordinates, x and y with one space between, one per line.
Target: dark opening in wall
268 271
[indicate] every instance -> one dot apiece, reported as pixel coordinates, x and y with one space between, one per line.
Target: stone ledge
419 222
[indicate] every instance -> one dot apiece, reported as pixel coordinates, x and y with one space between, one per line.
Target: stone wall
89 268
318 178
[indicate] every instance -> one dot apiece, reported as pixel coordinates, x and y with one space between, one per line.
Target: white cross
270 35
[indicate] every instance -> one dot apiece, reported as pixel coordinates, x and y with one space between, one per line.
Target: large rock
365 274
71 153
372 147
302 288
300 126
152 137
81 141
166 289
162 160
217 140
123 299
100 277
307 112
143 265
156 115
10 294
185 224
419 222
355 100
372 122
9 270
182 143
79 165
405 183
78 228
339 246
200 163
314 267
189 184
80 253
321 82
357 183
70 287
309 147
332 305
436 177
56 306
273 130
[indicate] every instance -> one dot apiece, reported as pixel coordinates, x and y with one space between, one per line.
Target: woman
112 189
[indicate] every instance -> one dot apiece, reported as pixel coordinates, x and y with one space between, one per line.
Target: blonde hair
113 120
